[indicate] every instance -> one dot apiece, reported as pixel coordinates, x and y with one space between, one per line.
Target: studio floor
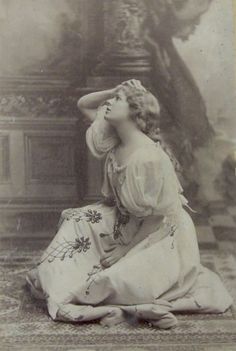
25 324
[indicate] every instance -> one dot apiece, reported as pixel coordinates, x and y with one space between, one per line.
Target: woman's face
118 109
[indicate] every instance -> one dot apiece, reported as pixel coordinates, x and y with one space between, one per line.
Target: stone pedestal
106 82
42 165
38 175
124 52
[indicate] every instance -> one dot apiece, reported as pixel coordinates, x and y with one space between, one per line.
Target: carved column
124 52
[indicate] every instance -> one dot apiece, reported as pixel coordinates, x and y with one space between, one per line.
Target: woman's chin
108 119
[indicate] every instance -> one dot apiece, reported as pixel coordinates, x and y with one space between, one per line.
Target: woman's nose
110 102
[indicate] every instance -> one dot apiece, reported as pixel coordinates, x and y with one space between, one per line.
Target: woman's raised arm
89 103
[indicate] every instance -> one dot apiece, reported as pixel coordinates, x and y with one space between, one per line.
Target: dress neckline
121 167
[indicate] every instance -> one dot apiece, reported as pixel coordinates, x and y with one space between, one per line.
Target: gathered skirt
157 277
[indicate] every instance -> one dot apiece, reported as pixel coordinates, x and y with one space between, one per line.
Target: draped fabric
101 136
184 121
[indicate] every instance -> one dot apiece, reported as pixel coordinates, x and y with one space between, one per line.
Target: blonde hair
144 110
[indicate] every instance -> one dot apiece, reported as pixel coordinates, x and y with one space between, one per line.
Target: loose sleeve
152 187
101 136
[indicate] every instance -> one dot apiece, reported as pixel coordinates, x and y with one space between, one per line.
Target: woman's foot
166 322
116 316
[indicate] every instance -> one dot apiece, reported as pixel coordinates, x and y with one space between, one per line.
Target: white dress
160 275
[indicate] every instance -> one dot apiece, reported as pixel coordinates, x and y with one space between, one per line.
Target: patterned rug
25 324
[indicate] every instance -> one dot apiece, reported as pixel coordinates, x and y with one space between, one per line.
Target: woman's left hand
113 255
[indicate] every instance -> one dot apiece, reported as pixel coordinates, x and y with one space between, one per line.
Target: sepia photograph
118 175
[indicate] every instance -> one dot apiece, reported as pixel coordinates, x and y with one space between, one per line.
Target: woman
135 254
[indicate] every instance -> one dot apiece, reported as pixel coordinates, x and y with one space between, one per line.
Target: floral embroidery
93 216
91 279
90 215
72 213
173 228
170 228
197 303
67 249
121 220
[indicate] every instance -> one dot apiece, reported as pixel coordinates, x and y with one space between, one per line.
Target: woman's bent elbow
80 104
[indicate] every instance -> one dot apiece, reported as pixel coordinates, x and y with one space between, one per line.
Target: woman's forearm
149 225
88 104
93 100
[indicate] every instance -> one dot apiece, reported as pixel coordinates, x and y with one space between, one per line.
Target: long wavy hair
145 111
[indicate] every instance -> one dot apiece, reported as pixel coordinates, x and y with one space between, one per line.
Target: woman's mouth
107 110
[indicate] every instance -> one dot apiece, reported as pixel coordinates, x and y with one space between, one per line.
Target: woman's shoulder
147 156
151 160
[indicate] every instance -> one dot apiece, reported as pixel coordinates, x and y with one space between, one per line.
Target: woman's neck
129 134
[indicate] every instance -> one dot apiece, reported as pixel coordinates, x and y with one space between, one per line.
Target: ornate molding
36 105
64 123
33 82
124 49
123 21
36 96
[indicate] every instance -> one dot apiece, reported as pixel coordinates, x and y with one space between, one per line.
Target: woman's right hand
133 83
